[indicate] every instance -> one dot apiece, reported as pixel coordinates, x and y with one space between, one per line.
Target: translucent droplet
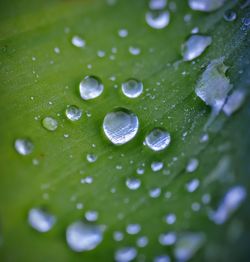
120 126
157 4
167 239
155 192
157 19
91 215
170 219
73 113
142 241
133 183
230 15
41 220
162 258
234 102
134 50
78 41
125 254
133 229
156 166
192 185
132 88
24 146
50 123
187 245
205 5
118 236
91 158
158 139
123 33
57 50
195 46
83 237
90 87
192 165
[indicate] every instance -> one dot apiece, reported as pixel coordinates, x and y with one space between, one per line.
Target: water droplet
234 102
140 171
142 241
57 50
125 254
73 113
78 41
167 239
41 220
230 15
120 126
91 158
192 185
192 165
49 123
205 5
101 53
155 192
162 258
156 166
157 4
195 46
133 183
90 87
24 146
196 206
118 236
134 50
229 204
133 229
83 237
158 139
170 219
123 33
157 19
132 88
91 216
187 245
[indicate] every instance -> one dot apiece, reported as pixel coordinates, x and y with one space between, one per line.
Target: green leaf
37 82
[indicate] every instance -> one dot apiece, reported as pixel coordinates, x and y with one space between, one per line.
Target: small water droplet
50 123
123 33
78 41
73 113
134 50
192 185
170 219
158 139
162 258
230 15
192 165
125 254
41 220
91 158
132 88
155 192
120 126
195 46
205 5
90 87
133 229
156 166
24 146
91 215
142 241
133 183
157 4
118 236
167 239
82 237
157 19
57 50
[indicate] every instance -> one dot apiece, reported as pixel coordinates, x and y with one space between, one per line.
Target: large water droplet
41 220
132 88
73 113
125 254
133 183
120 126
205 5
157 19
50 123
195 46
91 215
83 237
23 146
156 166
90 87
158 139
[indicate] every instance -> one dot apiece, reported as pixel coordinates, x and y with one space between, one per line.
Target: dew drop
156 166
50 123
90 87
142 241
157 19
91 158
133 183
78 41
41 220
170 219
134 50
162 258
91 216
167 239
155 192
192 185
133 229
82 237
195 46
230 15
132 88
205 5
157 4
23 146
120 126
158 139
125 254
118 236
192 165
234 102
123 33
73 113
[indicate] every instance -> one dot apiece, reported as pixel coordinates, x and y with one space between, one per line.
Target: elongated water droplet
133 183
170 219
206 5
192 165
118 236
24 146
90 87
120 126
158 139
142 241
82 237
123 33
155 192
156 166
41 220
132 88
157 19
195 46
73 113
234 102
230 15
125 254
91 215
49 123
78 41
192 185
133 229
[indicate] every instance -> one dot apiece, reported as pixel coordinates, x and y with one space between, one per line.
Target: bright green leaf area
33 29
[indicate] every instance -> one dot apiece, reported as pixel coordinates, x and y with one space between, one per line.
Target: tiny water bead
73 113
230 15
234 102
206 5
195 46
120 126
91 158
91 215
157 4
132 88
90 87
155 192
134 50
125 254
157 19
23 146
133 229
83 237
167 239
50 123
41 220
78 41
156 166
158 139
192 185
133 183
192 165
